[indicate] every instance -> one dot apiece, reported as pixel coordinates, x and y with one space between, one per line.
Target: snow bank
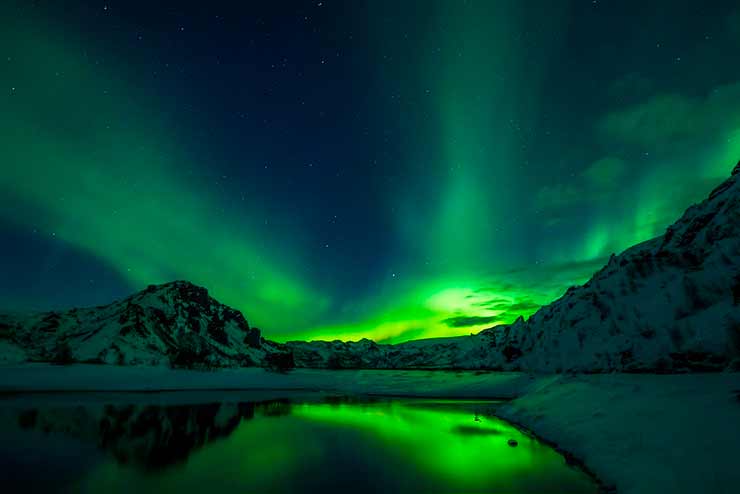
88 378
641 433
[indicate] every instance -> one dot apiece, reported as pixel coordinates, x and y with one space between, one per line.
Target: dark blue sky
353 168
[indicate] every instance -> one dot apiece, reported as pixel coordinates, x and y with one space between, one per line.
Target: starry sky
346 169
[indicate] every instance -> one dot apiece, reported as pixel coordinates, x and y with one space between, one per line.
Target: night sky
342 169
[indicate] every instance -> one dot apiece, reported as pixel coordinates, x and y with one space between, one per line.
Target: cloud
671 118
509 306
524 306
465 321
660 118
670 127
536 285
593 184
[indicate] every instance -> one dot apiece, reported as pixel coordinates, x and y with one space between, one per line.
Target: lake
223 442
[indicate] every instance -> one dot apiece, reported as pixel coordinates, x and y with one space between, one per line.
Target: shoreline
640 433
631 433
570 459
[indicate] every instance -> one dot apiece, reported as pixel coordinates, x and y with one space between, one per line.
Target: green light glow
472 104
455 306
124 193
438 445
491 201
477 85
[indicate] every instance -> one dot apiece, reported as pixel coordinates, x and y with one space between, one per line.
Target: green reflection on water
387 446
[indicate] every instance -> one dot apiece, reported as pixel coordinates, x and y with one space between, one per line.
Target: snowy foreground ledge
640 433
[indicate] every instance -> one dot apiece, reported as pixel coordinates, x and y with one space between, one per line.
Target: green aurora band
92 163
121 192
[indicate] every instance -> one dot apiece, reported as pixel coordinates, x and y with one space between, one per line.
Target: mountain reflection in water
151 436
325 446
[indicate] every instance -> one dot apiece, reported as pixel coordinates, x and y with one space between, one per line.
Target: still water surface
316 445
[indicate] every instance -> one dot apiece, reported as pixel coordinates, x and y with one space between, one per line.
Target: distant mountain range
670 304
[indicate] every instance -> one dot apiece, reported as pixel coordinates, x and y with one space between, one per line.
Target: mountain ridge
669 304
177 324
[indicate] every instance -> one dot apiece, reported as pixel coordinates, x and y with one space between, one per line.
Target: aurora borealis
392 170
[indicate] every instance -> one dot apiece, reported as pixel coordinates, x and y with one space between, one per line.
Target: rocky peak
176 323
191 300
176 293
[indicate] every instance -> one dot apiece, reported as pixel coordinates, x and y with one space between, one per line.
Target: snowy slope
641 433
669 304
176 324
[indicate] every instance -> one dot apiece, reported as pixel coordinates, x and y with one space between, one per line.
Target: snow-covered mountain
670 304
176 324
